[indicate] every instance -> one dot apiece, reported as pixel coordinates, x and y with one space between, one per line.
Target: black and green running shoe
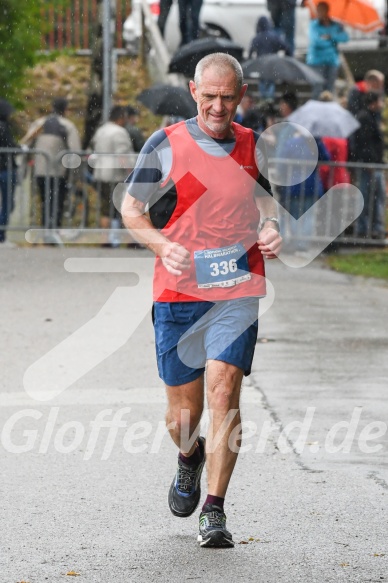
212 528
185 490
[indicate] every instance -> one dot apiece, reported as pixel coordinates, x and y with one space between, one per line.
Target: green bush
21 30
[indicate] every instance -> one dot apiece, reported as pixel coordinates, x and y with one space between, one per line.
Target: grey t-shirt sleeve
152 167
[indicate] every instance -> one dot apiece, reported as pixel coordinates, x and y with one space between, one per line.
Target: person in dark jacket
266 42
373 81
367 145
135 133
189 11
283 17
165 7
7 168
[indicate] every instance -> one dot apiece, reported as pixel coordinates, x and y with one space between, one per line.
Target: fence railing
65 201
73 28
341 202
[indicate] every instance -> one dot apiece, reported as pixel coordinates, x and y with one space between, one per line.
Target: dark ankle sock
216 500
193 460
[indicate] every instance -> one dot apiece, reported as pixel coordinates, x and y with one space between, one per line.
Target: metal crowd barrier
82 201
38 212
336 218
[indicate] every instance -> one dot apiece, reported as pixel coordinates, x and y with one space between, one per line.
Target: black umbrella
5 108
168 100
186 58
281 69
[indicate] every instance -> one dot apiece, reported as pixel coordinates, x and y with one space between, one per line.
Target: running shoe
212 528
185 490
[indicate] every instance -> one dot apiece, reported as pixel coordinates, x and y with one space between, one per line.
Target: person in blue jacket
322 53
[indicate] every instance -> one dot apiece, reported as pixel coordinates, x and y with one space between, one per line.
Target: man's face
217 98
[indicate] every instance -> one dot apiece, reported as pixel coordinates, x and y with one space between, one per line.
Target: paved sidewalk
83 498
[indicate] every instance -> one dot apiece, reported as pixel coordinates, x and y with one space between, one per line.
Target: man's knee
183 420
224 386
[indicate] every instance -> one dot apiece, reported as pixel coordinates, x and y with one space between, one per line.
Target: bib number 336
221 267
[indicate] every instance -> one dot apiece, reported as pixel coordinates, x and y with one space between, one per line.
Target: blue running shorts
187 334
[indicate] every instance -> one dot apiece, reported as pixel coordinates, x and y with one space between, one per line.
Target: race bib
222 267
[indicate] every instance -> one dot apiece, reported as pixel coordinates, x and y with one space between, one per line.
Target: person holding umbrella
7 168
338 149
322 54
266 42
206 201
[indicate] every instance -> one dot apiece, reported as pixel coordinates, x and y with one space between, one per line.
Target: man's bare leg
223 395
185 406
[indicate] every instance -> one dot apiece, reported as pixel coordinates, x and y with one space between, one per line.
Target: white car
234 19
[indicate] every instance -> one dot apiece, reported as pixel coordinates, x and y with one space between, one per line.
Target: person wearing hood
266 42
7 168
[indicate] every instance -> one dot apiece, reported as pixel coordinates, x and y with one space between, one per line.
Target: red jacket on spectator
331 175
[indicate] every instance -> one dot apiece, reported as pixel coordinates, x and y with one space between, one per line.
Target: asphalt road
81 493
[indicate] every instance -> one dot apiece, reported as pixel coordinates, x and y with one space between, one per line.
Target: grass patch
372 264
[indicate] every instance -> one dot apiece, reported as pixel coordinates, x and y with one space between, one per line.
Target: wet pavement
308 499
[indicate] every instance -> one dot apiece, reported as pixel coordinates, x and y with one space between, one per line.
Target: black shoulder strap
54 127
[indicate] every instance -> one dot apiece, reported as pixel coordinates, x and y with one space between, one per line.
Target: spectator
247 103
111 138
338 151
288 103
165 6
302 192
367 146
373 81
266 42
322 53
7 169
189 19
135 133
283 17
260 118
52 134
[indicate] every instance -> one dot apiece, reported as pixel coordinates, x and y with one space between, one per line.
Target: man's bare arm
174 256
270 240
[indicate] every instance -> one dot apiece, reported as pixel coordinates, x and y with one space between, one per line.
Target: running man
207 201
